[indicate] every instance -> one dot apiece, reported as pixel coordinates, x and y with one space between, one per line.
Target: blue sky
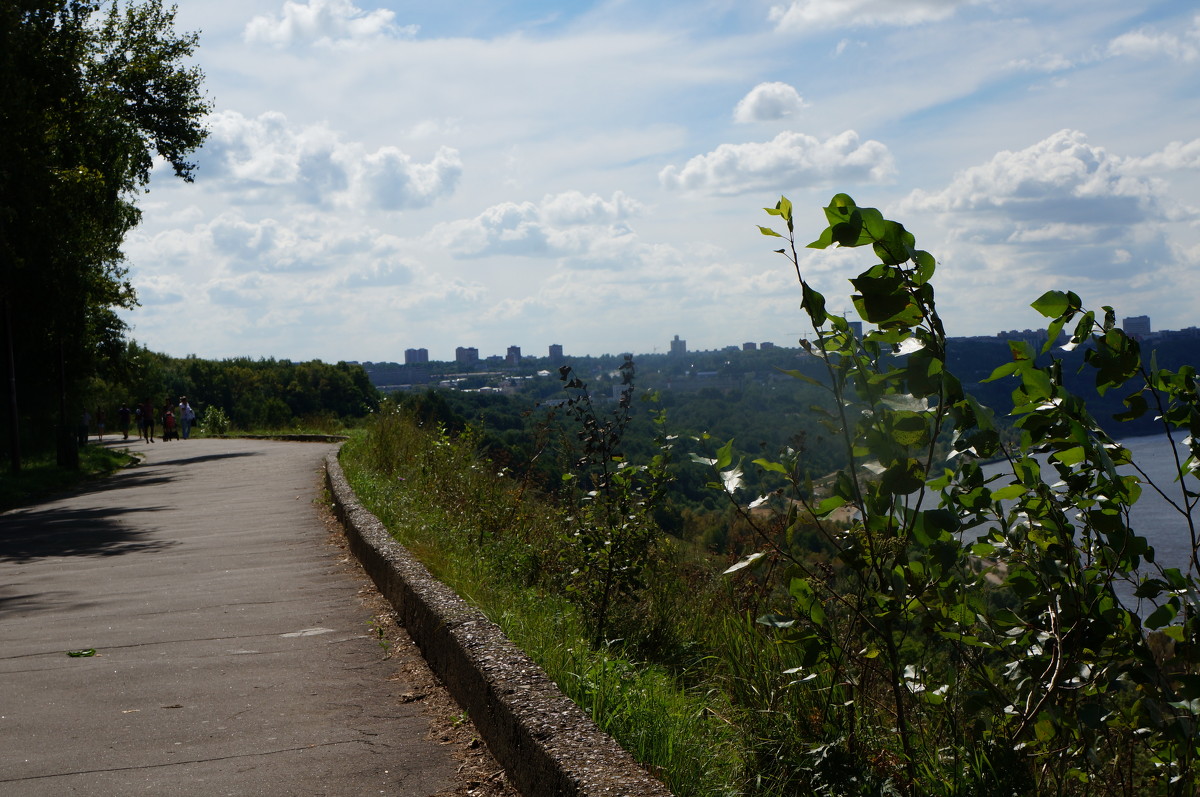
383 176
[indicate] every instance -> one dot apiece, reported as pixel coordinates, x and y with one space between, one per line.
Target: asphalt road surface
232 654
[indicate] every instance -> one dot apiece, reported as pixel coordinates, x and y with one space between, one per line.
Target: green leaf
1008 493
895 245
1137 408
803 377
829 504
724 456
768 231
1071 456
784 207
925 267
1008 369
766 464
823 242
85 653
850 231
1161 616
806 600
747 562
813 303
1052 304
1044 730
932 524
905 477
1052 333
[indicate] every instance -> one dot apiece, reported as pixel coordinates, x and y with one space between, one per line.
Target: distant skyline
1138 325
392 175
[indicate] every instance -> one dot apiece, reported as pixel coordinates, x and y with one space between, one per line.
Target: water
1151 517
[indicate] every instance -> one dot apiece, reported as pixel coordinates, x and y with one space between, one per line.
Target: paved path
233 655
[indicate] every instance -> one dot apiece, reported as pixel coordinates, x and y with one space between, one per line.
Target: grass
41 478
484 535
700 693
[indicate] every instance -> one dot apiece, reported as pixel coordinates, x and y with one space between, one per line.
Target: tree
976 634
89 93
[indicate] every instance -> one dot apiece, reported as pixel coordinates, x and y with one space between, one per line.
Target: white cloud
161 290
845 44
801 16
1147 43
586 228
1045 62
299 245
573 207
266 159
290 210
508 228
394 182
768 102
1175 156
324 23
1065 205
788 161
244 291
1061 178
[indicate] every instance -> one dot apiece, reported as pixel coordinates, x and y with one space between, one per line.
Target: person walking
85 425
147 409
123 415
187 416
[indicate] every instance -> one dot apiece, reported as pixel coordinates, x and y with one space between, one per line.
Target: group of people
176 419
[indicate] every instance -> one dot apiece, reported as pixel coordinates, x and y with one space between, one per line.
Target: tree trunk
14 416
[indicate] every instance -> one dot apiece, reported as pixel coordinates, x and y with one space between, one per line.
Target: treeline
254 394
251 393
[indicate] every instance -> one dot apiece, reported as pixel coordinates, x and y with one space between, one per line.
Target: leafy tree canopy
90 93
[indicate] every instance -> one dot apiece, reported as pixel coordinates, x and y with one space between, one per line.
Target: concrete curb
546 744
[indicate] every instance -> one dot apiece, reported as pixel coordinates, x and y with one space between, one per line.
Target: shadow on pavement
26 535
28 603
205 458
143 475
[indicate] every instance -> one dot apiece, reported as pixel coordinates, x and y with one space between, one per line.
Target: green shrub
215 421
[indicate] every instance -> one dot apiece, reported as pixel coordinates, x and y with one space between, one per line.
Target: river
1151 517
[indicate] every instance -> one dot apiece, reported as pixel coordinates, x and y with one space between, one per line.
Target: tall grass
703 695
508 553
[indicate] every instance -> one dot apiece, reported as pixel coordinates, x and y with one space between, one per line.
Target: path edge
547 745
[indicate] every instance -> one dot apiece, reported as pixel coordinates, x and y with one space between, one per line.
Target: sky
490 173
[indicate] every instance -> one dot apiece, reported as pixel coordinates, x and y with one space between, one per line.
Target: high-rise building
1136 326
750 346
556 354
514 355
678 346
467 355
416 356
